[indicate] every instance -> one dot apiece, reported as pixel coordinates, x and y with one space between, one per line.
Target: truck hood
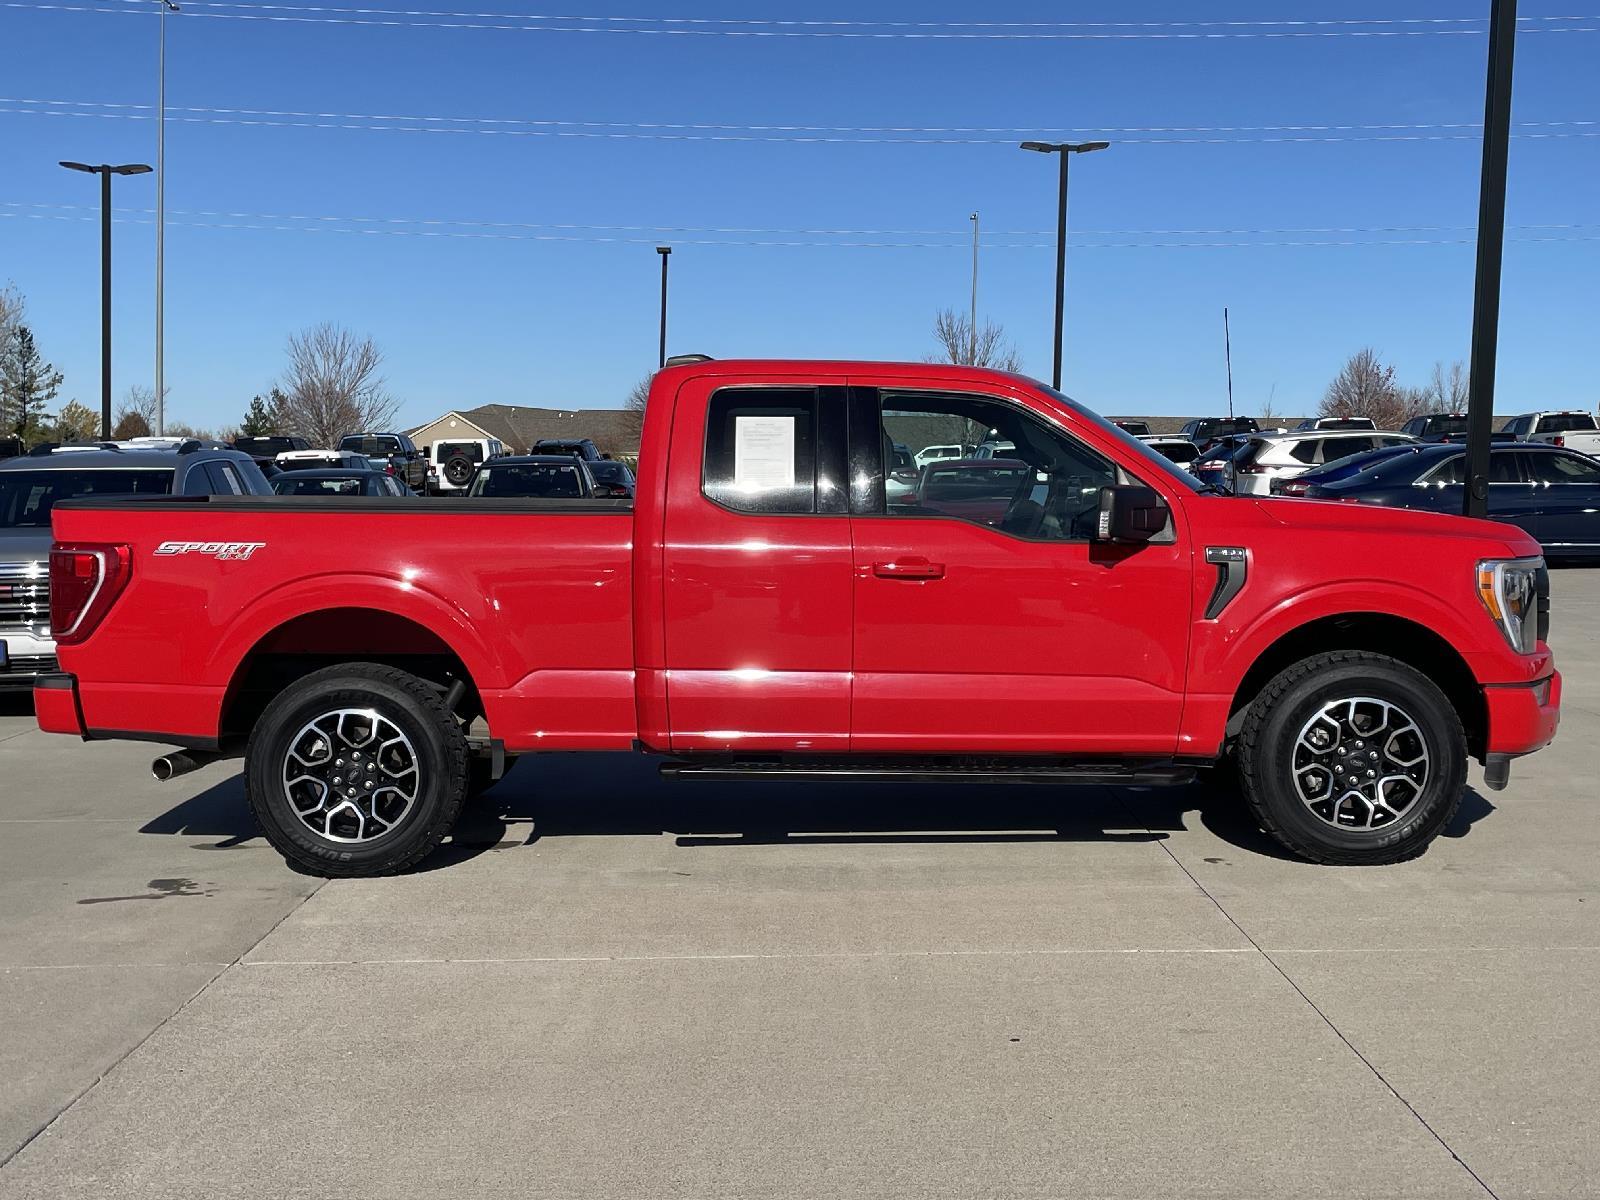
1367 520
24 545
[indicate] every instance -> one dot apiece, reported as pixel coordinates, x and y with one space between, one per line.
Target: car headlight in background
1509 589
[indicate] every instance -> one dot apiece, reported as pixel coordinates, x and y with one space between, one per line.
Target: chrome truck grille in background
25 597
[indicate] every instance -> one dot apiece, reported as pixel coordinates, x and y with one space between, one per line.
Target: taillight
1560 441
1251 470
85 582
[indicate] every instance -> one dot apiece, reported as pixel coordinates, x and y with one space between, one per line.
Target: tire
458 470
1319 720
388 733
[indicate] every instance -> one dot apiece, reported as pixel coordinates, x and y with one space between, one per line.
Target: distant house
518 428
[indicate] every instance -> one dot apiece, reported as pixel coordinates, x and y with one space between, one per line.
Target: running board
963 770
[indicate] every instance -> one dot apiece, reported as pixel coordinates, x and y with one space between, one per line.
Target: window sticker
763 452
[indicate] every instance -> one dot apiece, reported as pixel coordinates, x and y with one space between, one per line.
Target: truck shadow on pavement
562 795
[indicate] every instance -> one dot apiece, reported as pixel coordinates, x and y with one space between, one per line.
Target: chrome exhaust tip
170 766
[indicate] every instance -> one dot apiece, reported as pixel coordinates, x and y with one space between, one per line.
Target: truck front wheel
1352 758
358 769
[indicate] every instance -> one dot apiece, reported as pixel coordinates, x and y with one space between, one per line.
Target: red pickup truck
766 607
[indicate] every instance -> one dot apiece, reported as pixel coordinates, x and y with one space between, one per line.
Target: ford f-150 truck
763 608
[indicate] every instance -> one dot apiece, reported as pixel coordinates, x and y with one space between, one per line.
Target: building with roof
614 430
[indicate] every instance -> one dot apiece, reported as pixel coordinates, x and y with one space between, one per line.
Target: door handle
912 567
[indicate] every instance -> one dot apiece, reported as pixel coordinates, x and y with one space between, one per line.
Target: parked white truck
1572 429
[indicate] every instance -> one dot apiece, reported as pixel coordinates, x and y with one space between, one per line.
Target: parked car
1551 494
266 449
1446 427
1139 429
406 463
1343 468
981 490
1179 450
338 483
534 476
933 454
995 449
577 447
1207 430
612 479
11 447
451 464
762 613
321 460
1211 467
1332 423
1272 456
30 487
1571 430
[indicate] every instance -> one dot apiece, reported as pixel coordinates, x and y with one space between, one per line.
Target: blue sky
517 318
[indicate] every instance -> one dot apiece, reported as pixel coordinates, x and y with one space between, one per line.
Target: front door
1566 490
756 592
986 621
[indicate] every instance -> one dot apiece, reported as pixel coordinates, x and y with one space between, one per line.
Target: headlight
1509 589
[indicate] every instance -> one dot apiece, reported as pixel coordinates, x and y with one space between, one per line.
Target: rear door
985 619
1567 490
756 551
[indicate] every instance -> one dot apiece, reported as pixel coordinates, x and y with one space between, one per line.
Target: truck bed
533 596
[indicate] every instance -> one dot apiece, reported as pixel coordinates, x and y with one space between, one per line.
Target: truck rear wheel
357 769
1352 758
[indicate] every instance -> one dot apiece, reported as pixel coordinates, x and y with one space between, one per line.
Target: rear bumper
1522 717
55 705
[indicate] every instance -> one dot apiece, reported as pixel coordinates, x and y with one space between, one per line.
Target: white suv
452 462
1283 455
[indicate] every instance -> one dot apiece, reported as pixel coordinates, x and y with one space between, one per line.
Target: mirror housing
1130 513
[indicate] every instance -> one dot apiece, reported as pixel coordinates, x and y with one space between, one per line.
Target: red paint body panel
686 626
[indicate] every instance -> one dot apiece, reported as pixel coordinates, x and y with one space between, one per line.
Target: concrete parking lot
610 985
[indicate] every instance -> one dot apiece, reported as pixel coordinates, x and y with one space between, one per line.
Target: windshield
288 485
1565 422
1444 425
26 497
371 447
1160 465
531 480
264 447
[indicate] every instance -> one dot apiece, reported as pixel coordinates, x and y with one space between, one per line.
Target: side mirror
1130 513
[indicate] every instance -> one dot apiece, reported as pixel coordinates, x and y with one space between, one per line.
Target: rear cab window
761 452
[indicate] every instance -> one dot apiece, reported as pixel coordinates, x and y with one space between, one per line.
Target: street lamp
161 220
106 171
665 252
1066 150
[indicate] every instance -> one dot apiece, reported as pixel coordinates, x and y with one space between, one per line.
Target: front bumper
1523 717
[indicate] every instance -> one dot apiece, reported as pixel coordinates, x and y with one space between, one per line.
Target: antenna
1227 350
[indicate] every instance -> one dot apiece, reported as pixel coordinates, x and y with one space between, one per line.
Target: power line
847 245
746 229
682 27
846 135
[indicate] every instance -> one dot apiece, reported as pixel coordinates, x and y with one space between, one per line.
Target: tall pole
1061 270
105 304
1491 248
161 225
972 328
666 253
1227 350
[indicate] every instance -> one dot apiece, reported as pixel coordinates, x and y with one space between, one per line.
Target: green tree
77 423
27 382
263 416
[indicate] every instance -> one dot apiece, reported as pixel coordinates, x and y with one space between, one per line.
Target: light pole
161 220
665 252
1066 150
106 171
1491 248
972 331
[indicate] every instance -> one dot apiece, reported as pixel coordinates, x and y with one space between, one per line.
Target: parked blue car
1551 493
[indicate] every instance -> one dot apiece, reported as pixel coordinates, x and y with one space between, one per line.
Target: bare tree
1366 387
332 386
953 332
1447 390
136 414
634 404
10 310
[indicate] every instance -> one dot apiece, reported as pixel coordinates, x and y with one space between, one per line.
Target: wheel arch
1405 640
